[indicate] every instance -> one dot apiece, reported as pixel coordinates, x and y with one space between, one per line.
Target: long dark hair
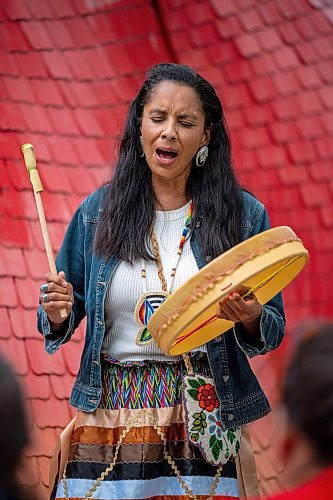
129 198
308 388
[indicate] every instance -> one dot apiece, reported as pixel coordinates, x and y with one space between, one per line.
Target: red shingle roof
68 74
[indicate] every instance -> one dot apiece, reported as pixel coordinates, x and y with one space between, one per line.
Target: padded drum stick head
29 156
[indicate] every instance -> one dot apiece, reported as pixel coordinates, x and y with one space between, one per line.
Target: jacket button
208 258
230 416
225 378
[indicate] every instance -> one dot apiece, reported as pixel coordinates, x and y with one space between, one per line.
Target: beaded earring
141 152
201 156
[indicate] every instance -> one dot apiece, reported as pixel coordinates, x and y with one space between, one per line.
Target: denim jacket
242 399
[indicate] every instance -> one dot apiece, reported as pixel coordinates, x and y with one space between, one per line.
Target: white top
126 287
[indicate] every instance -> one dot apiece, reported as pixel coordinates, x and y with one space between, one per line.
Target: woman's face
172 129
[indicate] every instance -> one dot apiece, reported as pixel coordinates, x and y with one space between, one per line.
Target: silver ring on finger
44 288
45 297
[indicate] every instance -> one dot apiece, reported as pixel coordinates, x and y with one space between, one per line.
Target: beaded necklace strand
149 301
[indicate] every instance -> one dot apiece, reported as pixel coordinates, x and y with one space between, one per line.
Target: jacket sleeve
71 260
272 320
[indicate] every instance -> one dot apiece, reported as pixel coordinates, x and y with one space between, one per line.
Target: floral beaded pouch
202 419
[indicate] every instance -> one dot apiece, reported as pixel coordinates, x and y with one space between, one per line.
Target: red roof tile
286 83
321 171
263 65
41 363
235 97
5 330
301 152
56 207
11 37
262 89
309 103
229 27
270 13
310 127
225 8
292 175
89 152
62 386
18 89
38 387
285 58
47 92
40 9
16 10
80 181
62 151
283 132
327 218
325 148
80 32
23 321
43 440
14 233
285 108
288 33
37 264
290 9
247 46
63 8
18 175
203 35
14 350
11 118
28 474
21 204
88 124
321 23
306 52
12 262
251 20
53 413
327 121
56 65
324 47
41 122
37 35
30 65
315 195
235 72
309 77
271 156
326 97
199 13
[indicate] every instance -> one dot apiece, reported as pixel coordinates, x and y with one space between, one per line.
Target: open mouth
166 154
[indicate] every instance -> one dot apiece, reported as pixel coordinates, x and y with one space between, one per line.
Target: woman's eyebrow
187 115
157 110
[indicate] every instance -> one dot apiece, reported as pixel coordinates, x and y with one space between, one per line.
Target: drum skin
266 262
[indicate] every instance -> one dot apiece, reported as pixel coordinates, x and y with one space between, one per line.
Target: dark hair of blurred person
307 444
13 435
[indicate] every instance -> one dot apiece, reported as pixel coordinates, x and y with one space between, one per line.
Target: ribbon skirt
117 452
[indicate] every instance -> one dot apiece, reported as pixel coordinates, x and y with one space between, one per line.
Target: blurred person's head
308 400
13 432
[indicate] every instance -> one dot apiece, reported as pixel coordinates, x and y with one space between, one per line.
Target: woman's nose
169 131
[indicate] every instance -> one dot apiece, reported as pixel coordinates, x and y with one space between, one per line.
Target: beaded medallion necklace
151 300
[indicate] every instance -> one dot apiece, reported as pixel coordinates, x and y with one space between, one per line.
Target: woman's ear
206 137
